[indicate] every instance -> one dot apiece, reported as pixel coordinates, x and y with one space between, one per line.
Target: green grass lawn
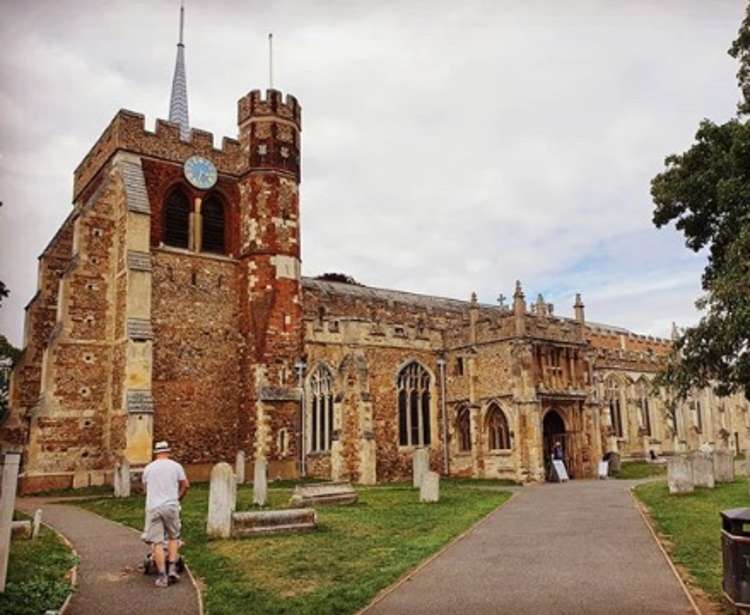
354 553
691 525
37 575
641 469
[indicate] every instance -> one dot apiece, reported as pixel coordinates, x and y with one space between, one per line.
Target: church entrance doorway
553 429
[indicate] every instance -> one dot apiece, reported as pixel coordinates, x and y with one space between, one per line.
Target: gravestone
703 470
273 521
615 463
429 490
323 493
260 482
420 465
239 467
36 524
20 529
222 499
724 466
121 479
7 503
680 474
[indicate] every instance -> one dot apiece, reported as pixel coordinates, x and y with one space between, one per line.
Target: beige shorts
162 522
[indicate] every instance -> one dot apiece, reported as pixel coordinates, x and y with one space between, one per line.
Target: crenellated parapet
127 132
270 129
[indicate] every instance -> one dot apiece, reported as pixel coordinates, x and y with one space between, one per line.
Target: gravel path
109 580
576 548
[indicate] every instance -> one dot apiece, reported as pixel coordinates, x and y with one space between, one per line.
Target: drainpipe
441 367
300 367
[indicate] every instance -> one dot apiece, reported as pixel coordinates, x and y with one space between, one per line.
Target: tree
706 192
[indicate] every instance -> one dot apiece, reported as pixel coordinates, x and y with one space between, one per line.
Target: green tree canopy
706 193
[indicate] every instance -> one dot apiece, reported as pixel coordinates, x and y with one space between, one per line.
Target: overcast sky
447 146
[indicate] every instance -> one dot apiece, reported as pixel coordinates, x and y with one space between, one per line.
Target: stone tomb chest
323 493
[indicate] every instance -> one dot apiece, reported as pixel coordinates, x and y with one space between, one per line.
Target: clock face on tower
200 172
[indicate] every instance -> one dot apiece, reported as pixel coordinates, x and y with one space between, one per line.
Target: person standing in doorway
166 484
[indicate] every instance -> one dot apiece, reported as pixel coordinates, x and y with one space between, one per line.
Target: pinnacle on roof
178 102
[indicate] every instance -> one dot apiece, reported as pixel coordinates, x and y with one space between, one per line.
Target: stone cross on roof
178 102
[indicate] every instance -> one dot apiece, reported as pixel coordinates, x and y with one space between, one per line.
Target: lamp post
441 367
300 366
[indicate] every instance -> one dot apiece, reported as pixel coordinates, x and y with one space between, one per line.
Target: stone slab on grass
273 521
316 494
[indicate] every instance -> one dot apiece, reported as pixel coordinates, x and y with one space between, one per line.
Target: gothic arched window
414 405
463 429
212 227
644 407
177 220
615 408
498 434
321 410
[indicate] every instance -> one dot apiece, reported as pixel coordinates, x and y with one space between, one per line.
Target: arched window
321 410
212 227
177 220
414 405
498 434
615 409
463 429
644 408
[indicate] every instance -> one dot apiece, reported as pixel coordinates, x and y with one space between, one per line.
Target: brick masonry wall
197 348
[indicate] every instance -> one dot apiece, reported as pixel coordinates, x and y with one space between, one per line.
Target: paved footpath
576 548
109 580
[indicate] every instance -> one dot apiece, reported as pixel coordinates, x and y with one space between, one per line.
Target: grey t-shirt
162 479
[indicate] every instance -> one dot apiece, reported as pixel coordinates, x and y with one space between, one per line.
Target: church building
171 306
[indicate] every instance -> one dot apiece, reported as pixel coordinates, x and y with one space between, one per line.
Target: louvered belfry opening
212 239
177 220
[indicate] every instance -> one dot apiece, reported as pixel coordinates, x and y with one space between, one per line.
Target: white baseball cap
161 447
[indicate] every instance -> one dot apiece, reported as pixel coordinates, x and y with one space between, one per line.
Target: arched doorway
553 429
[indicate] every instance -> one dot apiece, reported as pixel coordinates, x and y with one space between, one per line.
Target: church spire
178 102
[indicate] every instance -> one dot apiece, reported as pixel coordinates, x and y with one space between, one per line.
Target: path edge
72 573
640 507
386 591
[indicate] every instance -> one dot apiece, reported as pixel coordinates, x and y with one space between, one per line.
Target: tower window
212 236
177 220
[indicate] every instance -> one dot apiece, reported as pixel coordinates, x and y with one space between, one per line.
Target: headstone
20 529
273 521
260 482
724 466
429 490
615 463
680 474
239 467
222 499
703 470
7 503
420 465
37 524
121 479
315 494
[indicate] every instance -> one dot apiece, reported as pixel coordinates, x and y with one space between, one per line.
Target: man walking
166 484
